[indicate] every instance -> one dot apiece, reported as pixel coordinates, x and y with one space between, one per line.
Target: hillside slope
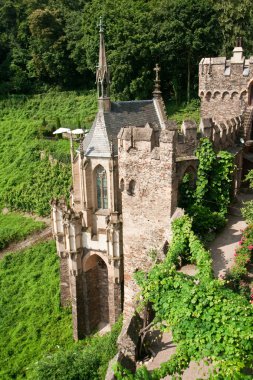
28 180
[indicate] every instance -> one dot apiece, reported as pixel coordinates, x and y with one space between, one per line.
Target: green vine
207 204
208 321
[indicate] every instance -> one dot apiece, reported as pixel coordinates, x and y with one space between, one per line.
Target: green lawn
35 332
32 323
15 227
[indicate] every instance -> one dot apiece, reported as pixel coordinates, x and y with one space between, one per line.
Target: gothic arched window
101 182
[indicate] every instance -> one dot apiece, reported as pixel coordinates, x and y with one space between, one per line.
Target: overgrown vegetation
86 360
208 320
28 182
15 227
237 277
208 200
247 210
35 332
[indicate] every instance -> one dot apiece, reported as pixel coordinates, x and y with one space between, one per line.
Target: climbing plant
208 321
208 203
214 177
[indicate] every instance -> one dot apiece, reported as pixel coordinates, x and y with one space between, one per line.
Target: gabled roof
107 125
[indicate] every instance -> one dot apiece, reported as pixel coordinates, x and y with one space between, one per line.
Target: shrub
205 220
86 360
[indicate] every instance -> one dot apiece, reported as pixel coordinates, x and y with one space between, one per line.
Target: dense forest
48 44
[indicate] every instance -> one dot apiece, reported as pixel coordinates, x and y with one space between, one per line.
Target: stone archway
250 94
97 290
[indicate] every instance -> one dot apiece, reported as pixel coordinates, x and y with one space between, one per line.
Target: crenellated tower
226 88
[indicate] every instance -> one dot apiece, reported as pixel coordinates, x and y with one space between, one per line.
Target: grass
35 332
32 322
184 111
27 182
15 227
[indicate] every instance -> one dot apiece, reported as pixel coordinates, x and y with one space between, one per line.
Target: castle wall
148 208
224 86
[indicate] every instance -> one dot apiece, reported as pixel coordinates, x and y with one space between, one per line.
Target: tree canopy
54 43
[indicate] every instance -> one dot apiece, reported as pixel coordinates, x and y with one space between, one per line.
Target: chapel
126 174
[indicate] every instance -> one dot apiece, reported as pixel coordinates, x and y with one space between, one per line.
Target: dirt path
222 251
32 239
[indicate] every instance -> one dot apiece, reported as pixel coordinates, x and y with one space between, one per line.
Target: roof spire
103 77
157 93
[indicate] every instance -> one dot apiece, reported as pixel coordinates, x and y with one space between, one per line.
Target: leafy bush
15 227
205 220
87 360
247 211
243 256
208 320
208 203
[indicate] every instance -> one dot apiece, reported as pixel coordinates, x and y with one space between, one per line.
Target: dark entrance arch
250 92
97 292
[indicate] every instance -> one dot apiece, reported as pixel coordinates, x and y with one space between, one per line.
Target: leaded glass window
101 180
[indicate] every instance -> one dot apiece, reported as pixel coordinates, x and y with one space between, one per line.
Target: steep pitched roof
107 125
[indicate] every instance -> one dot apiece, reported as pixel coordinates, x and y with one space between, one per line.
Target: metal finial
101 25
157 69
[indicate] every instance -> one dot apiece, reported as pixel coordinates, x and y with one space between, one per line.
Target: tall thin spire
103 77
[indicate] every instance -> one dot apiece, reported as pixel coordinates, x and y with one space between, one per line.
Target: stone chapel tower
124 194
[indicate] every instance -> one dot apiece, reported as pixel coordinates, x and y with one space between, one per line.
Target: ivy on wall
207 204
208 321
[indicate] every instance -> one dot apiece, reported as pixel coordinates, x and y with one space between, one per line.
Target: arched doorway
97 292
250 92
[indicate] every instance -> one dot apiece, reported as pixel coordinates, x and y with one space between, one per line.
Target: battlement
237 64
225 85
224 134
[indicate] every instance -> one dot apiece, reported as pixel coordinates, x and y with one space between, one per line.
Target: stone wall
224 85
64 281
148 205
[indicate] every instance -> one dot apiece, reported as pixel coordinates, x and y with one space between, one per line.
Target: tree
185 32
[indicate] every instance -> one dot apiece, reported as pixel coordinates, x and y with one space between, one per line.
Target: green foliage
243 256
186 191
30 310
209 202
208 321
247 210
27 182
205 220
184 111
15 227
86 360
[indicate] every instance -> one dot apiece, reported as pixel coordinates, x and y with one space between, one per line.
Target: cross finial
101 25
238 41
157 69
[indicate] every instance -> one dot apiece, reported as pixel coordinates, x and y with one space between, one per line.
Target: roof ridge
132 101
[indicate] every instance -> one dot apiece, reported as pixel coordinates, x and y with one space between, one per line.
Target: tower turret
103 76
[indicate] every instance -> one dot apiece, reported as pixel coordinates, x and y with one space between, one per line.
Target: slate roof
107 125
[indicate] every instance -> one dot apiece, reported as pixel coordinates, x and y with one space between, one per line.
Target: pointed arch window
101 182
